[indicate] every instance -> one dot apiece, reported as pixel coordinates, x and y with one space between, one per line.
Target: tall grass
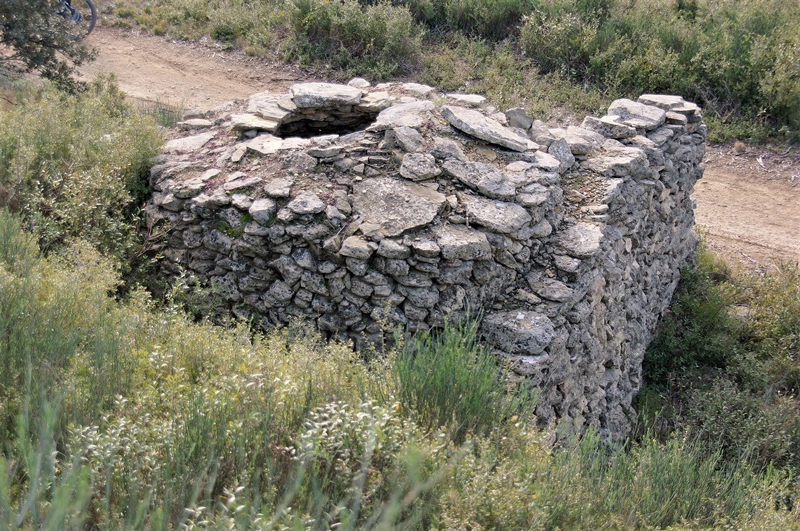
142 419
76 165
449 379
726 365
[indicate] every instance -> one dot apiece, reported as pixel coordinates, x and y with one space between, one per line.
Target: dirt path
189 75
750 208
748 203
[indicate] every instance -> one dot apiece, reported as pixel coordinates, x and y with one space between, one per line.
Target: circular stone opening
308 123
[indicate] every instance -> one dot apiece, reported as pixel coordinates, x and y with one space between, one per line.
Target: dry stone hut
357 206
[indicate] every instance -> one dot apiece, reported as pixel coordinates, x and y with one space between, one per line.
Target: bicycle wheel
80 17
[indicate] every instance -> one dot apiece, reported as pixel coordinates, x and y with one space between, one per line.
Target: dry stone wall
360 206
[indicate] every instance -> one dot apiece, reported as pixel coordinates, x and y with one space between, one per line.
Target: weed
163 113
449 379
75 165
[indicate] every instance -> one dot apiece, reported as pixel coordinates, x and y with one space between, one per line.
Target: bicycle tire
81 15
92 16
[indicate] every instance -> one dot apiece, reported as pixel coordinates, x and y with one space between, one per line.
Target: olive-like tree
34 38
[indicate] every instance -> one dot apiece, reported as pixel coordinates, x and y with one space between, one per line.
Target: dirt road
748 203
156 69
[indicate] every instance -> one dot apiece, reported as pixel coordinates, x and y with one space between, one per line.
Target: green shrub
724 366
451 380
746 426
697 333
491 19
379 40
118 415
52 314
516 480
458 63
738 59
76 166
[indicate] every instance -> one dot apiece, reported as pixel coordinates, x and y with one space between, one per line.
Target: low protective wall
426 205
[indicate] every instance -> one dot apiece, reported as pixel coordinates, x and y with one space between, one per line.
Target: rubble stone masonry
359 206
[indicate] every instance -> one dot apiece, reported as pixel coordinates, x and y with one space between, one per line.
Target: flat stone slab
637 114
550 288
189 143
306 203
411 114
262 210
279 187
518 332
419 167
269 145
417 88
409 139
249 122
396 206
482 177
476 124
458 242
608 127
473 100
324 95
497 216
356 247
270 106
193 124
669 103
374 102
545 161
582 240
621 162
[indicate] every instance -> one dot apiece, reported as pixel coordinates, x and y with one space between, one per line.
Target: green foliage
77 165
449 379
738 59
379 40
462 64
697 332
40 40
745 425
490 19
517 482
726 363
51 313
118 415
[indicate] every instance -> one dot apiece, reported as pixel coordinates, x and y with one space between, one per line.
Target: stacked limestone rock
569 240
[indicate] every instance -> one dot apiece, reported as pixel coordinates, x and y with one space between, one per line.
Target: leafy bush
726 363
51 313
379 40
76 165
40 39
697 332
491 19
746 426
449 379
738 59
